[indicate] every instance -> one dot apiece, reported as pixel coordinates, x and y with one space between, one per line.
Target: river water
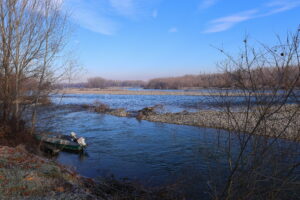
154 154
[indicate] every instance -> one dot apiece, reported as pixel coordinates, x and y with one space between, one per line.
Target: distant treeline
267 77
98 82
203 81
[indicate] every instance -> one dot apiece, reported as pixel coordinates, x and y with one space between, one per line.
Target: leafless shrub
259 164
101 107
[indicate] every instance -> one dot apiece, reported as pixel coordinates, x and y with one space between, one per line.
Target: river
153 154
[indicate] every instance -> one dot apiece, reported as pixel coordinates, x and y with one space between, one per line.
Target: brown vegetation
98 82
105 109
10 136
264 76
189 81
267 77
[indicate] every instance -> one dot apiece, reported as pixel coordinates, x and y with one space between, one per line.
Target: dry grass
24 175
118 91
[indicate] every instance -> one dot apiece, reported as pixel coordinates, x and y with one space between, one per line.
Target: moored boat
63 142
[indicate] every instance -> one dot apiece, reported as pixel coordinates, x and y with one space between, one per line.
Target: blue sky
143 39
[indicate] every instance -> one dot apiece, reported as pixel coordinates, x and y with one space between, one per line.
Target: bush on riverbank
11 137
100 107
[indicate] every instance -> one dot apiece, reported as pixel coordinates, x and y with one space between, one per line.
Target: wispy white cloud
173 30
103 16
278 6
204 4
88 15
271 8
95 22
224 23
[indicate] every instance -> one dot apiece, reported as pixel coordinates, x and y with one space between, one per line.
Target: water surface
154 154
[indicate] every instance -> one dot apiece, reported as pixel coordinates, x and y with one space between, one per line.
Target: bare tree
32 35
260 165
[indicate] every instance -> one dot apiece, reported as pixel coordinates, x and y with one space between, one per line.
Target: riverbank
120 91
284 123
24 175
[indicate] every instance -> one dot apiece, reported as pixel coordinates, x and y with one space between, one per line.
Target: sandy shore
119 91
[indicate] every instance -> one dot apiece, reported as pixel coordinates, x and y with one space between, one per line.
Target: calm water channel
154 154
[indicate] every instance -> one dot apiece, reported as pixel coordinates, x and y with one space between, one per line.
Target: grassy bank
25 175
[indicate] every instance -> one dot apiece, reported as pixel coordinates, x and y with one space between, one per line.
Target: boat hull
60 142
